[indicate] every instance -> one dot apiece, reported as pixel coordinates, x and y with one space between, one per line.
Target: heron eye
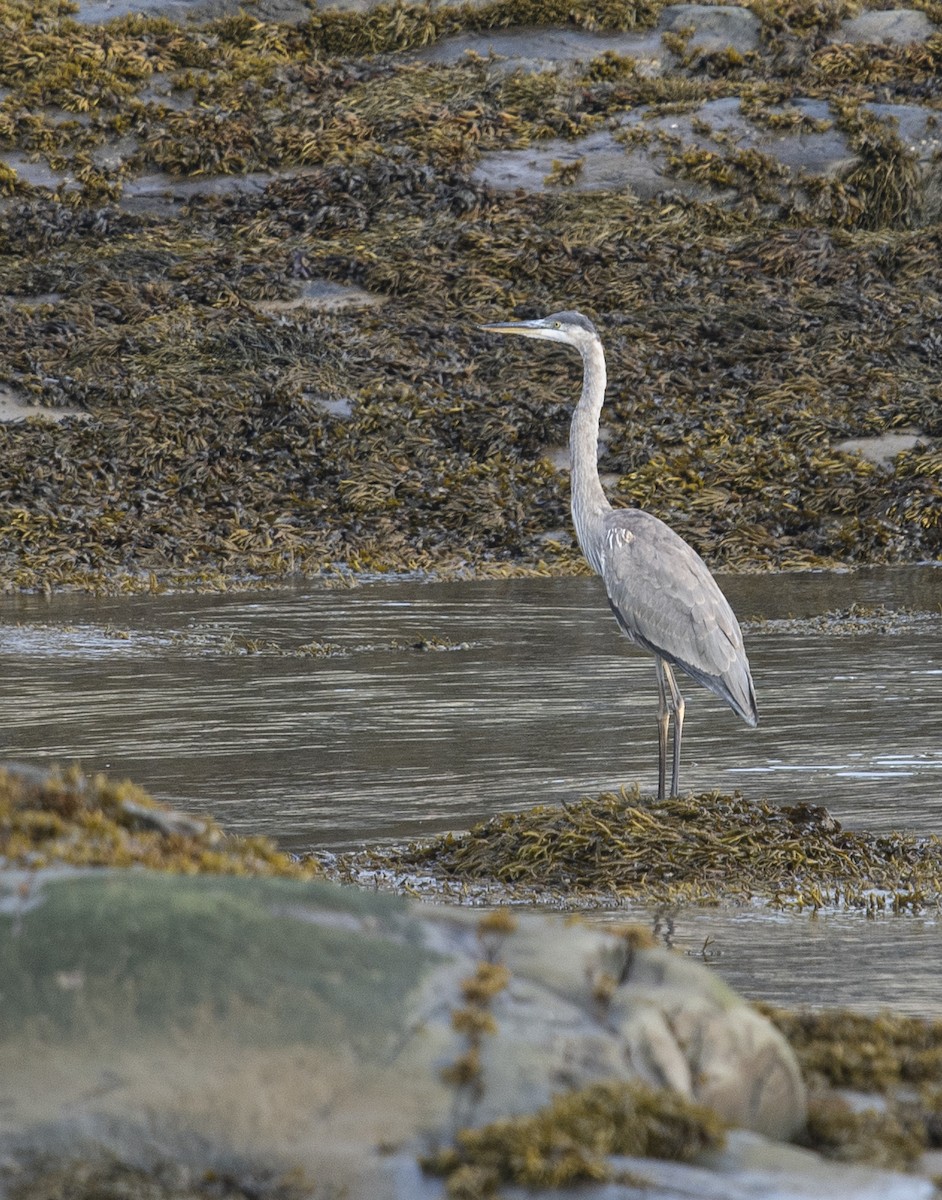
557 325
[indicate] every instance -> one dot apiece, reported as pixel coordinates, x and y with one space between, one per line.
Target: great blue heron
660 590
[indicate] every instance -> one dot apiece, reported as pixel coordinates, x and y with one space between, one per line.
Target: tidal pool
334 718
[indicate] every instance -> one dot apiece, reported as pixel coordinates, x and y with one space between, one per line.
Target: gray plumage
660 590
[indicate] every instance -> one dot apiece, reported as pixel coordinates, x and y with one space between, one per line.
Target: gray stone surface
98 11
612 159
899 26
163 195
14 406
604 164
321 295
209 1018
752 1168
537 48
714 27
883 448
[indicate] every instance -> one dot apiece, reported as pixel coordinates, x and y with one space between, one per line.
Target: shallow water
795 960
538 699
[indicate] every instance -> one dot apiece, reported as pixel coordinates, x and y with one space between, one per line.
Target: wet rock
339 407
169 823
163 195
883 448
14 406
536 48
750 1167
323 296
900 26
704 153
601 164
612 159
35 172
52 817
275 1019
94 12
713 29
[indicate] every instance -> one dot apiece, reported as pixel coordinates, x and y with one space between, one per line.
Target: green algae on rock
67 817
694 849
271 1020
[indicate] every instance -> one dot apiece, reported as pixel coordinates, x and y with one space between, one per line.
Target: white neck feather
589 504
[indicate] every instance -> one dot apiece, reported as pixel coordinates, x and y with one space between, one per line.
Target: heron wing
666 600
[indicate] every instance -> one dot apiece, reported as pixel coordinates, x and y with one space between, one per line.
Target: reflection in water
542 701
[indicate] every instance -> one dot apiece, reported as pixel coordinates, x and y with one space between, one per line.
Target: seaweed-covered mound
698 849
252 256
67 817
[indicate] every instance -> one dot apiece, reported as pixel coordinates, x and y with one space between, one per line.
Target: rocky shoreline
243 259
523 1050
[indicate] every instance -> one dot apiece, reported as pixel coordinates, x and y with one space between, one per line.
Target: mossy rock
272 1019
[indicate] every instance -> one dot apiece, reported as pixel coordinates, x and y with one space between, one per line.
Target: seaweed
869 1053
743 338
50 818
696 849
891 1064
569 1140
473 1019
110 1178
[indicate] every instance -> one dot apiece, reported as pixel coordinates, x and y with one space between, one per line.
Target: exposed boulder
163 1017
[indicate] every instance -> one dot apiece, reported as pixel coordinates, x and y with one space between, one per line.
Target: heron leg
663 721
677 706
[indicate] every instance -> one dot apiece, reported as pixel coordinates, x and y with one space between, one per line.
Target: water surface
536 698
541 700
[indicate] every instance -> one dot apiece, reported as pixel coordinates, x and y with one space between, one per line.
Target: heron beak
524 328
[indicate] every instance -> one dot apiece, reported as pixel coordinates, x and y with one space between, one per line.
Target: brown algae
228 442
108 1178
56 817
694 849
570 1140
876 1054
894 1061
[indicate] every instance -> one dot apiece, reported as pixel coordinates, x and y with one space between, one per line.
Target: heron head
571 328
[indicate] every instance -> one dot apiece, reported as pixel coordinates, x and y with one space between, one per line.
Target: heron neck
589 504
